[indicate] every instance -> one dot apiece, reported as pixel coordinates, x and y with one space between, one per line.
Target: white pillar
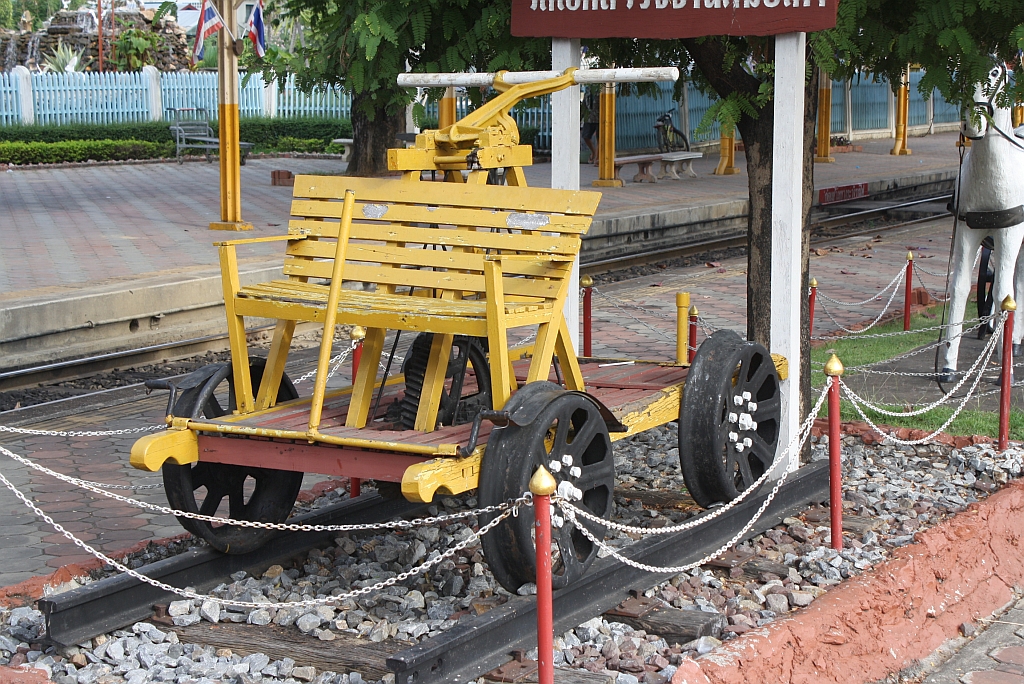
156 107
565 156
848 86
270 98
26 103
787 225
684 112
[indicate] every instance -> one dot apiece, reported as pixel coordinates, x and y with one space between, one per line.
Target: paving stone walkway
995 656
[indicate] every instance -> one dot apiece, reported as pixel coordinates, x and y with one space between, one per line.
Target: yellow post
682 326
230 156
902 115
727 154
446 114
606 140
1018 115
824 119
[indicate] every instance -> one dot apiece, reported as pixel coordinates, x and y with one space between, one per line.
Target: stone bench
671 165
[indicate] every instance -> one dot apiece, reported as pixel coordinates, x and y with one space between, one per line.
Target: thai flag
256 31
210 22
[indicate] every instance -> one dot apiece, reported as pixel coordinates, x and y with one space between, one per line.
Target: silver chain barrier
309 603
942 300
335 364
895 281
897 333
918 267
643 323
721 510
79 433
854 399
873 323
977 367
798 441
287 527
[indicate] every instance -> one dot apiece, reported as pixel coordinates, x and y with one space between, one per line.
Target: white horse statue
989 202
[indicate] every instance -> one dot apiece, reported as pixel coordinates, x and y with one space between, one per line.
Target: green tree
364 44
6 14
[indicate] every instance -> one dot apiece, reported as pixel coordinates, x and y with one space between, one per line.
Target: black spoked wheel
729 419
570 432
255 494
460 400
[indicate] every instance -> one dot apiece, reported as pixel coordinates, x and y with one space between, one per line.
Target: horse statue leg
964 250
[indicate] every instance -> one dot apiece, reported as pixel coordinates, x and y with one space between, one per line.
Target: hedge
82 150
263 132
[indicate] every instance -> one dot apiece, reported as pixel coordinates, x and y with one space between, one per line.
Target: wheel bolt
733 437
740 447
565 490
567 459
747 442
751 406
733 418
577 493
554 466
738 400
575 471
557 521
746 396
745 421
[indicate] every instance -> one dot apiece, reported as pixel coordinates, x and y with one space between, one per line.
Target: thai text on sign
669 18
842 193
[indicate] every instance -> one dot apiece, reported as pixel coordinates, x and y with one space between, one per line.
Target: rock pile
890 493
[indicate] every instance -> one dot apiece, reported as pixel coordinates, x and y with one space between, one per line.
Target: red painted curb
901 611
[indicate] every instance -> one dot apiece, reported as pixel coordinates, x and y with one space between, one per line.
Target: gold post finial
910 256
834 366
693 310
1009 304
586 281
357 333
543 483
814 282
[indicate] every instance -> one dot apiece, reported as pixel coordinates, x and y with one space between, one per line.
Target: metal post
99 35
682 327
824 119
230 153
606 140
692 348
834 369
587 283
902 118
542 486
357 335
727 154
812 297
565 158
1006 379
907 291
446 112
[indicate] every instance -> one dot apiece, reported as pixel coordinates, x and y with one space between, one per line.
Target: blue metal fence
838 121
10 104
185 90
870 103
62 98
293 102
944 112
917 113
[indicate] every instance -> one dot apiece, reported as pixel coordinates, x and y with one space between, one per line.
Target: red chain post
357 334
834 370
587 283
1006 379
811 298
907 291
542 486
692 351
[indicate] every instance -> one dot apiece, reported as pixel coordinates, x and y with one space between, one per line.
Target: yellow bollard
682 326
606 177
1018 115
824 119
727 155
902 115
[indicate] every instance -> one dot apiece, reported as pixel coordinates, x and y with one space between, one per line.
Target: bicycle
670 138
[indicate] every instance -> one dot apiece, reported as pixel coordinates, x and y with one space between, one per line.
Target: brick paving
994 656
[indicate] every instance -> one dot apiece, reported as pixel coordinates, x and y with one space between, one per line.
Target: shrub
81 150
289 144
262 131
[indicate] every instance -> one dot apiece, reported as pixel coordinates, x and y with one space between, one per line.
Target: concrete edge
899 612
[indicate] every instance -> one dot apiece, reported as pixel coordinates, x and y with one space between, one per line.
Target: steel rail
118 601
479 644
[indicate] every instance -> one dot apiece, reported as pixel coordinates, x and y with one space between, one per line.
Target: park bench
199 136
462 259
671 165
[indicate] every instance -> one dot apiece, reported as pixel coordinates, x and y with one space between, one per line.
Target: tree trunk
372 136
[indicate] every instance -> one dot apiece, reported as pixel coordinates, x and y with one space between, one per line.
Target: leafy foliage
81 150
134 48
64 58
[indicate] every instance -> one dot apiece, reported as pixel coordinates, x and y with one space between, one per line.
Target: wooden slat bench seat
449 259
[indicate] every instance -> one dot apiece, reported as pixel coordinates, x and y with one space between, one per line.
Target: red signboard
669 18
842 193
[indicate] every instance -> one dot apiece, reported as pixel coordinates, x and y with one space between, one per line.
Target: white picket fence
147 95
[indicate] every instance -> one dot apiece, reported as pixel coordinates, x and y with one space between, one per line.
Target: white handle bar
580 76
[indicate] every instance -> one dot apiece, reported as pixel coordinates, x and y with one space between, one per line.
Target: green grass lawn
856 352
